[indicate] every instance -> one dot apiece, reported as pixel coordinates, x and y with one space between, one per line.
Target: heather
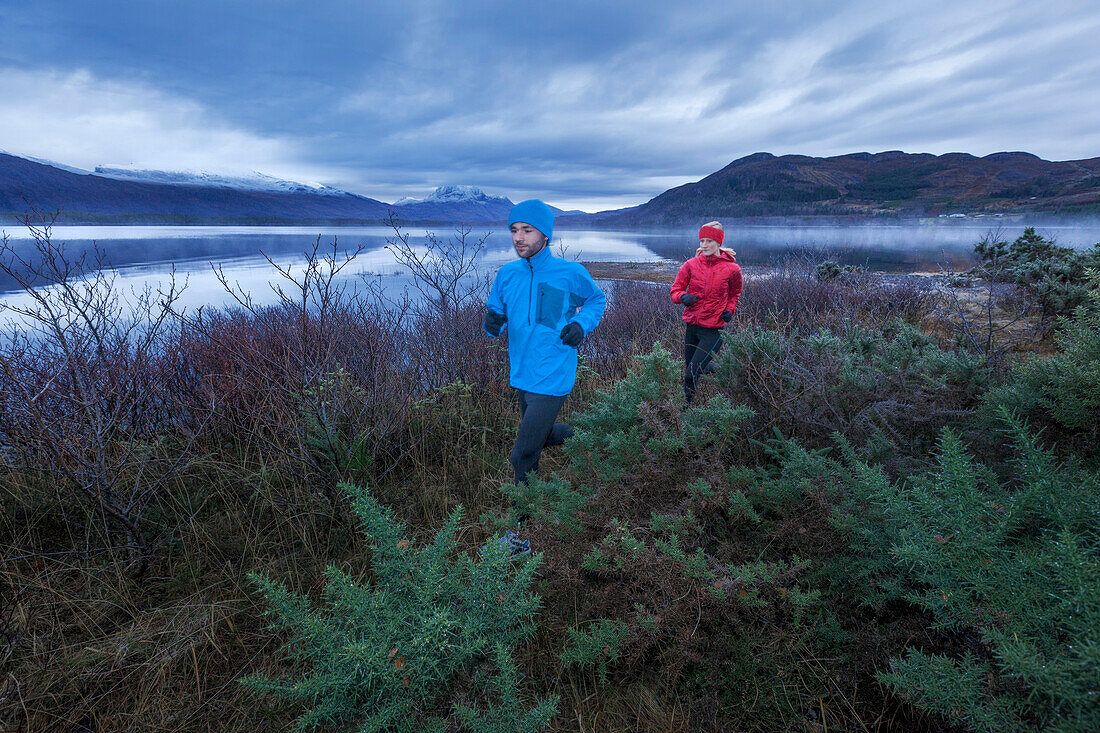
876 515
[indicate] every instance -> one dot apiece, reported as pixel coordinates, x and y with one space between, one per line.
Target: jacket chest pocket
716 285
551 303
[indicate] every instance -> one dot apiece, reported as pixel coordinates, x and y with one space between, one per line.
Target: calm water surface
143 256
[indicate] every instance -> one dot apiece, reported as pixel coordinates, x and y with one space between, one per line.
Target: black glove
726 316
494 322
688 299
572 335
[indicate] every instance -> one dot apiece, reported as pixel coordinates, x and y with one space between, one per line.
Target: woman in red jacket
709 285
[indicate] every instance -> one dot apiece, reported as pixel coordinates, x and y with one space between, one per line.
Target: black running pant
700 346
537 430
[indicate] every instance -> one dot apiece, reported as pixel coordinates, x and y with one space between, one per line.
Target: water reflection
144 256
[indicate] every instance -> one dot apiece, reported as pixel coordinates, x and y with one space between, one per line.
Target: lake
145 255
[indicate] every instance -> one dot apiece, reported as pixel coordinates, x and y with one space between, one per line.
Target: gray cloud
592 104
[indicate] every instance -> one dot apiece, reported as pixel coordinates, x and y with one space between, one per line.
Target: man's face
527 240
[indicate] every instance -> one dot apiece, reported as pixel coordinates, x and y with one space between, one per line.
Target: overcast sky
586 104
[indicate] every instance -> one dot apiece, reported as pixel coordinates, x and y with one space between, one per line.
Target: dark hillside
24 183
883 184
889 184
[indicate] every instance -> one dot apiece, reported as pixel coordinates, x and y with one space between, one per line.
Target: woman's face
709 247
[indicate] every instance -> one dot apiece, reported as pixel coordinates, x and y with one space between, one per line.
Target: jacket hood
723 254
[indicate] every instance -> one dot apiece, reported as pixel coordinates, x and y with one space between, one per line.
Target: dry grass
663 271
999 319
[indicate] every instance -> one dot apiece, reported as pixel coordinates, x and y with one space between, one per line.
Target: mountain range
255 182
460 203
758 186
890 184
127 195
93 197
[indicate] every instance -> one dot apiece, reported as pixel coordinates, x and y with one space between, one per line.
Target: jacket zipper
530 292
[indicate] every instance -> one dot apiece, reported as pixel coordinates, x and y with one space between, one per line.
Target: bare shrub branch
444 271
88 384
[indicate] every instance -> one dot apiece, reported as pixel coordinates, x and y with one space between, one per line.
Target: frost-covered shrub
894 384
1055 274
596 645
552 500
649 576
428 640
1007 569
1062 393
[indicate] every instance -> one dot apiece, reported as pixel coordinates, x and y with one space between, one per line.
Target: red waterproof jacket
717 282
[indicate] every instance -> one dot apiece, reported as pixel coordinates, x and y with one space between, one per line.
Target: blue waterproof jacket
539 297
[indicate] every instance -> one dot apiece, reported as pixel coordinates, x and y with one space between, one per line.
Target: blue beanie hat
535 213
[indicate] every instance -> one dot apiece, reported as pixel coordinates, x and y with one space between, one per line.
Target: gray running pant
537 430
700 346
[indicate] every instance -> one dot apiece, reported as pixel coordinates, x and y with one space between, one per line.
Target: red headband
711 233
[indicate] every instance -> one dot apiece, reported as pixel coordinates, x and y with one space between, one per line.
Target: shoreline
664 272
661 271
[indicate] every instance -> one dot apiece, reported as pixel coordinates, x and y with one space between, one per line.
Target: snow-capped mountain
52 164
255 182
454 194
460 203
110 194
84 196
455 203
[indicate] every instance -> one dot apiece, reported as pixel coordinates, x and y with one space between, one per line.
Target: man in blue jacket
548 305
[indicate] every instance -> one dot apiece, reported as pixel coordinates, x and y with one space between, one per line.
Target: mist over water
145 256
905 247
